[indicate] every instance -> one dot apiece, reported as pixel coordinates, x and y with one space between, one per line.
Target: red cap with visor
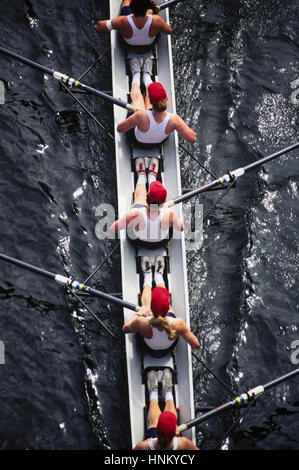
157 193
160 301
156 92
166 428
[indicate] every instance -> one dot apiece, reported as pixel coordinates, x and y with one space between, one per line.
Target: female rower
136 24
151 123
157 324
148 223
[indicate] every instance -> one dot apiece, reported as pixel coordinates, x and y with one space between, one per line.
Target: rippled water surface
63 384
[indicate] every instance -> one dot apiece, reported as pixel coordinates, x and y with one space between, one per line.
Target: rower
157 324
151 123
139 32
148 224
161 427
136 24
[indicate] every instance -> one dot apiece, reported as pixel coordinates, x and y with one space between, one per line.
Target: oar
67 80
69 282
167 4
240 400
230 176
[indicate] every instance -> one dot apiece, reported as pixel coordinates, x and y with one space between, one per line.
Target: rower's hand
101 27
144 312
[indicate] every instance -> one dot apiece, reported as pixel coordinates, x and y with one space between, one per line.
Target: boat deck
177 275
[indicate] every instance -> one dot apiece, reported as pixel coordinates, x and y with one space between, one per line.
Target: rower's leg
147 79
153 414
136 95
154 409
146 295
153 170
170 406
140 194
167 391
159 271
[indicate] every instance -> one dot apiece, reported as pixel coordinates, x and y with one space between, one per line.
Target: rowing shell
175 253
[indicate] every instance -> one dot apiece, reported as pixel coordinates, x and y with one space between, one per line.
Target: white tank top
156 132
152 447
151 230
141 36
160 338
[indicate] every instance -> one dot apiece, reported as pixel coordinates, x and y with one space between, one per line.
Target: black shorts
125 11
150 433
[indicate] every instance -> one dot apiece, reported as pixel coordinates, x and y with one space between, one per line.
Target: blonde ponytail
160 106
163 322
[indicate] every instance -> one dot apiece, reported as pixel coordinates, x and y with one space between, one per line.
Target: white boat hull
177 261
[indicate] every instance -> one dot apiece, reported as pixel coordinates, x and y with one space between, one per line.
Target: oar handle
130 107
181 428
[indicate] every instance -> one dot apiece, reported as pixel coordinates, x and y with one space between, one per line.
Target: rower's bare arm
177 222
131 326
184 131
187 444
162 26
101 26
128 123
123 222
189 336
141 446
137 323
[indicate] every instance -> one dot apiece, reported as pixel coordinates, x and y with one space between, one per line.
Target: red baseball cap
157 193
166 427
156 92
160 301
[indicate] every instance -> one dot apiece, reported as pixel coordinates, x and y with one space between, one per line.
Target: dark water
63 385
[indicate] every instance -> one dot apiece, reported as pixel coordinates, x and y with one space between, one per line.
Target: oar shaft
241 399
287 376
229 176
258 163
22 59
110 298
193 193
70 283
66 79
205 416
168 4
27 266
